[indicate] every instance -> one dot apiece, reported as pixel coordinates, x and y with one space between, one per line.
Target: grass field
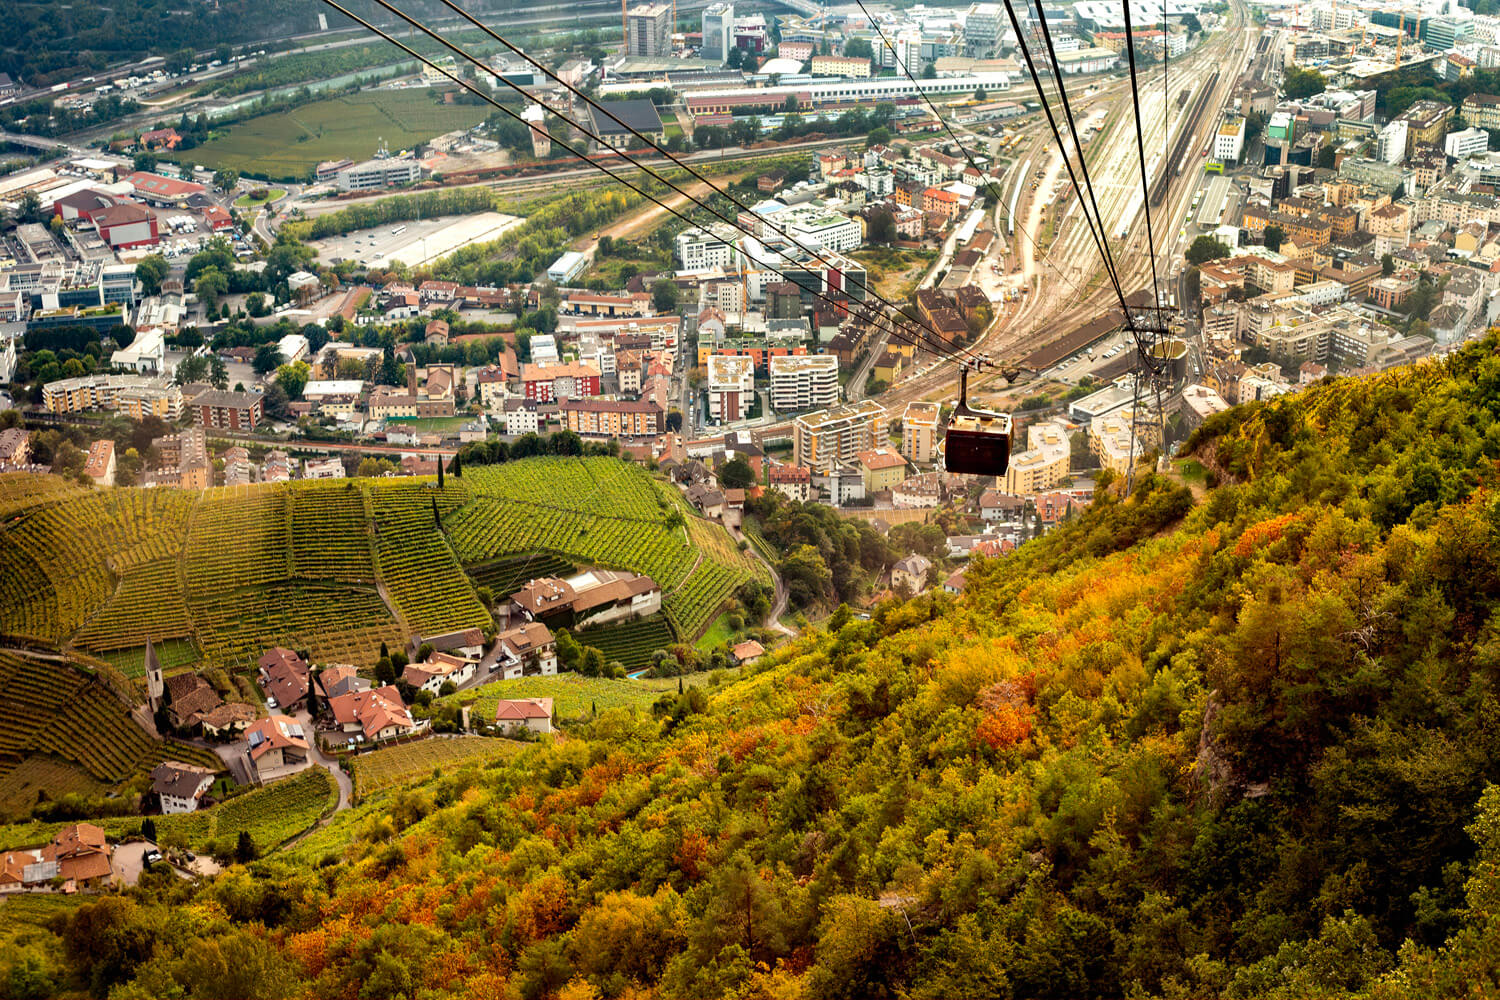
245 201
285 145
397 765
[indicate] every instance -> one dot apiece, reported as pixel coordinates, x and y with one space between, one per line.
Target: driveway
234 761
340 778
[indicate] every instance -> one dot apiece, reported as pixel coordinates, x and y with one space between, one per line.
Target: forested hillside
1243 748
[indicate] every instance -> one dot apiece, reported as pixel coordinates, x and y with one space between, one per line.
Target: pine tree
458 466
440 476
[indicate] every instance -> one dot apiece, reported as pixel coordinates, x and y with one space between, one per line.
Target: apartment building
731 386
919 424
881 468
620 418
1045 462
236 411
137 396
825 438
804 383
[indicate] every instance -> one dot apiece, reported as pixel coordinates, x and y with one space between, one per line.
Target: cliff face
1235 748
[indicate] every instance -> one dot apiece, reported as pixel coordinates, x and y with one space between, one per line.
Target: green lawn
285 145
718 633
245 201
431 425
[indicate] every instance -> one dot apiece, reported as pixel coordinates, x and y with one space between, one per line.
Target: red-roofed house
534 714
284 679
436 670
218 218
81 853
274 743
125 226
376 715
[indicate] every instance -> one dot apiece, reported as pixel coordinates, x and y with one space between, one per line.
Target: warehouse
125 226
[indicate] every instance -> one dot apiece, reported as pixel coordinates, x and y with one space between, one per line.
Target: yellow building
1046 461
882 468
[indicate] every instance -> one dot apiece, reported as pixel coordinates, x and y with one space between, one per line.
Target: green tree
1299 83
194 368
664 295
151 272
736 474
1205 249
268 359
878 136
1387 265
1273 236
211 285
293 378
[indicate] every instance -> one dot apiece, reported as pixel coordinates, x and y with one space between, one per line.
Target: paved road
345 783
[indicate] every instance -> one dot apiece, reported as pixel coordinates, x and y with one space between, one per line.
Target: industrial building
372 175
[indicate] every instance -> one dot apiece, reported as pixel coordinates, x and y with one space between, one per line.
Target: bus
398 230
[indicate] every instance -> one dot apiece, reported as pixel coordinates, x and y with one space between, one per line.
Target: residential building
1111 444
284 679
1427 121
236 411
182 461
881 468
826 437
1045 462
180 787
81 855
910 574
840 483
1481 111
100 466
730 386
983 28
846 66
15 447
919 425
802 383
467 643
792 481
1199 402
593 597
275 744
376 714
704 248
527 648
649 29
618 418
438 669
1390 142
534 714
545 383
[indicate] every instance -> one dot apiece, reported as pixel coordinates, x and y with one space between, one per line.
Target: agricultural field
382 769
630 643
573 695
60 715
213 578
287 145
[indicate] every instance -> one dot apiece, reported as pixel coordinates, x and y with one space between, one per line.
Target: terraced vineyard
631 643
271 815
233 570
506 575
334 624
58 713
399 764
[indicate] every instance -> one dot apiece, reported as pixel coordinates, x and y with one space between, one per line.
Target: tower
155 686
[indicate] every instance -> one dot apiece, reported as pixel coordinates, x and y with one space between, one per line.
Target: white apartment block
804 382
1229 141
823 439
704 249
919 431
1461 145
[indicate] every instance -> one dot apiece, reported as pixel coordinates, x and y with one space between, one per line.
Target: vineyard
573 696
631 643
506 575
213 577
58 713
271 815
399 764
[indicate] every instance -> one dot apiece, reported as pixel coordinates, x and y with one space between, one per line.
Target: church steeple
155 686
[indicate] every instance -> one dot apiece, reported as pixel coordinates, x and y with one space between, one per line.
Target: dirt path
653 215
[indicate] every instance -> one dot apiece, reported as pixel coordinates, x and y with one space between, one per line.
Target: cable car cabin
978 441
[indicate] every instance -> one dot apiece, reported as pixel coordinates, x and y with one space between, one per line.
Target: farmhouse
467 643
526 649
595 596
284 679
534 714
274 744
180 786
436 670
341 678
375 715
81 854
189 698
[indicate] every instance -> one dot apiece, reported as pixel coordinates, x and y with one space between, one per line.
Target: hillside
338 566
1244 748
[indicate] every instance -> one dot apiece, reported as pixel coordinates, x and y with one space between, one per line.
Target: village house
275 744
179 787
376 714
911 573
467 643
437 670
534 714
284 679
81 854
527 648
594 597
